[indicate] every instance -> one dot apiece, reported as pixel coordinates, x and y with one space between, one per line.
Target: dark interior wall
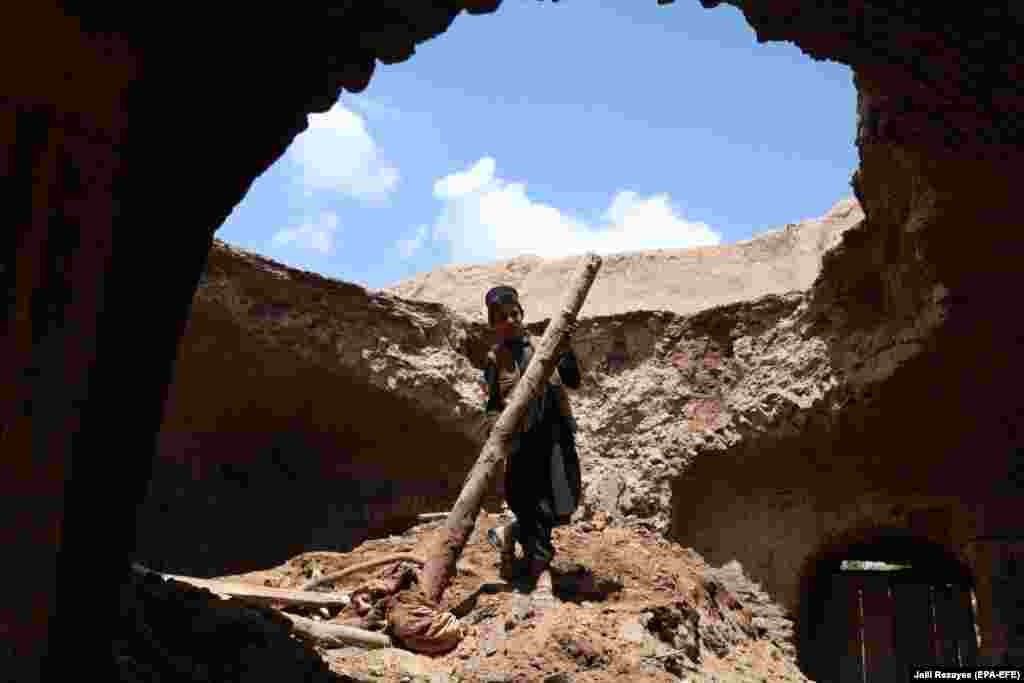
61 171
125 148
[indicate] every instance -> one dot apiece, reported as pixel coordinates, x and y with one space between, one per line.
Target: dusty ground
632 606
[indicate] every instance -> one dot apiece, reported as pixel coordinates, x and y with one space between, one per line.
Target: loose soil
631 606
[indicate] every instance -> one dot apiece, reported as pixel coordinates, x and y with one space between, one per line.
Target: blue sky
553 129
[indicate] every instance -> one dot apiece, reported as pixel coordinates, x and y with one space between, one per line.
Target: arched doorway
873 608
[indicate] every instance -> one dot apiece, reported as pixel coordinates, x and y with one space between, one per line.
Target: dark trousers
534 534
529 495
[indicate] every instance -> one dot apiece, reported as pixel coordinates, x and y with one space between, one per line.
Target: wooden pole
258 595
446 546
328 635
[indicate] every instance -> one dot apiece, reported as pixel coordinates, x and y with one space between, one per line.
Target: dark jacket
505 365
543 464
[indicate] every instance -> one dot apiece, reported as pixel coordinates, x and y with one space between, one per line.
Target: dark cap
501 295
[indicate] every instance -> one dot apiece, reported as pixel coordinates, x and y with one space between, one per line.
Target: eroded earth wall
679 280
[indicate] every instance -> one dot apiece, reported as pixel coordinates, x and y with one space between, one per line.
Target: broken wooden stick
446 546
259 595
328 635
370 564
342 573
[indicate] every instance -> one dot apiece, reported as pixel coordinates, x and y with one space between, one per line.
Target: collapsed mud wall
679 280
339 413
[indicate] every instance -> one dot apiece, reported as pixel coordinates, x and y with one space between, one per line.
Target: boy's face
508 320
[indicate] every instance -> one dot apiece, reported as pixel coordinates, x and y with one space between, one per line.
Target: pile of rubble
630 604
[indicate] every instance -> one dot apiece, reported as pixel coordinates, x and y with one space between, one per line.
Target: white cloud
373 108
485 218
410 245
460 184
318 235
336 153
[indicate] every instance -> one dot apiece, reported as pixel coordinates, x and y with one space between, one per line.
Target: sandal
543 592
506 548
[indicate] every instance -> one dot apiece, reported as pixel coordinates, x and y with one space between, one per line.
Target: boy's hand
566 343
489 419
487 423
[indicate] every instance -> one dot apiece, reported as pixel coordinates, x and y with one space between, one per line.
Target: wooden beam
328 635
259 595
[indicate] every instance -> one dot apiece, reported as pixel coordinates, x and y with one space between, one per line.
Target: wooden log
362 566
258 595
328 635
370 564
445 548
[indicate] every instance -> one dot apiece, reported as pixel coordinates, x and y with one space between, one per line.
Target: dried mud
631 605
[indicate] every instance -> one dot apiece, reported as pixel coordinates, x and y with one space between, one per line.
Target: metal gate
882 623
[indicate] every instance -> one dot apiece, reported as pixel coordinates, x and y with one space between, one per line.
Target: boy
542 474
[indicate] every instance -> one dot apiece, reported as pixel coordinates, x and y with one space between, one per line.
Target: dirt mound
631 604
